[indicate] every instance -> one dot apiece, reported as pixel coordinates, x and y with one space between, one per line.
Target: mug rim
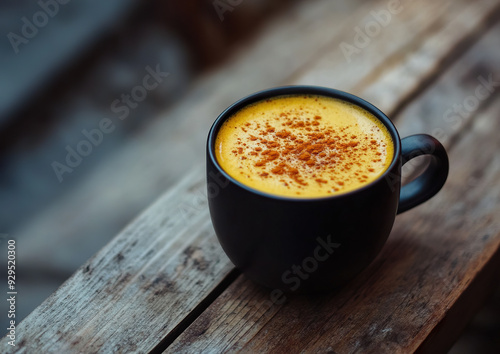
298 90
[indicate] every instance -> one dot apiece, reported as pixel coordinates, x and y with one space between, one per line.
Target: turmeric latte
303 146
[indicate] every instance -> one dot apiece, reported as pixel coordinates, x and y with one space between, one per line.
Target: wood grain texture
150 278
439 264
139 287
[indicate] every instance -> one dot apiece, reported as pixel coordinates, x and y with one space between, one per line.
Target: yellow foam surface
303 146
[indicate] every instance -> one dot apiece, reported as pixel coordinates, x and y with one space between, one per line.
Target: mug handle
432 179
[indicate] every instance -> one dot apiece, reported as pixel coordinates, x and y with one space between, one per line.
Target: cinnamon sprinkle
315 151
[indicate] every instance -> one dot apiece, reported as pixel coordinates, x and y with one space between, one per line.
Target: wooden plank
406 30
138 287
433 273
420 42
124 313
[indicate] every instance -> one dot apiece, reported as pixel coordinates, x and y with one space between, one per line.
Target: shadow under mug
315 244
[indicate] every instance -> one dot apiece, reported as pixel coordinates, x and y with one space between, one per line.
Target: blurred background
70 69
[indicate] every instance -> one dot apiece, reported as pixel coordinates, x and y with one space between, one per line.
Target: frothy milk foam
303 146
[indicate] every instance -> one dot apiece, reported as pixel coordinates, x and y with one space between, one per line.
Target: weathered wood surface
144 288
136 289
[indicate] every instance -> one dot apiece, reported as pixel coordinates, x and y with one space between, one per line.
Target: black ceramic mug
296 244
